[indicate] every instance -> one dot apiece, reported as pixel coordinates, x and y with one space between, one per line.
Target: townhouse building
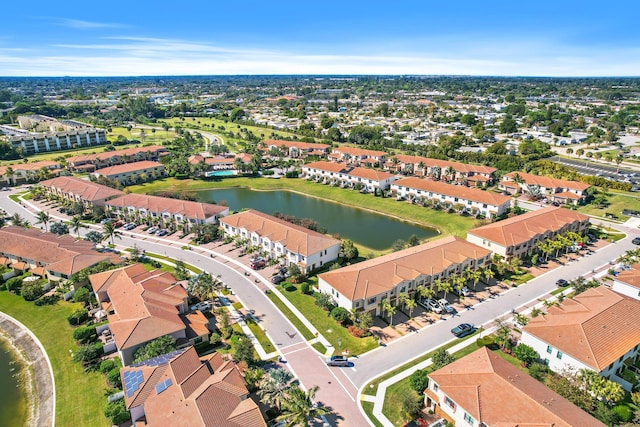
29 172
299 149
518 235
91 162
169 212
472 175
627 282
598 329
282 240
483 389
557 190
363 286
347 176
143 305
132 173
358 156
464 199
80 190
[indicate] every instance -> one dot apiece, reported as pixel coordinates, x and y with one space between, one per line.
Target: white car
445 305
433 305
202 306
152 230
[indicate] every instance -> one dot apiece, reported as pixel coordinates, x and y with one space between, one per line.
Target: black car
636 241
463 329
277 279
561 283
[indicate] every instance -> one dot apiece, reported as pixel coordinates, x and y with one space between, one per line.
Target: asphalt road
339 386
587 167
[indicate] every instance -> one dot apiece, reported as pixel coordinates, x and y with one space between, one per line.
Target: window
450 403
469 419
371 300
435 387
549 349
546 362
559 355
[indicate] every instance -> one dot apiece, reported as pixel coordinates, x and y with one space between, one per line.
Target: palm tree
110 232
76 224
421 167
446 287
475 276
18 221
8 173
488 274
391 310
450 173
44 218
299 407
273 386
410 304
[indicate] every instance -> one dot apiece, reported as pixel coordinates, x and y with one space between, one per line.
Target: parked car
118 224
463 329
202 306
636 241
106 220
465 292
433 305
258 264
152 230
277 279
338 361
129 226
561 283
161 233
445 305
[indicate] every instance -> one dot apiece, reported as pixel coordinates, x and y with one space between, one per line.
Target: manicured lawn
260 336
52 155
368 410
336 334
80 399
444 222
150 137
617 202
306 333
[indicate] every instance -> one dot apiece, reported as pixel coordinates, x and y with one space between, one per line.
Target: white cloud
79 24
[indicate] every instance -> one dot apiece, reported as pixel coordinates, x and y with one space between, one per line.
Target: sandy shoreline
26 380
37 369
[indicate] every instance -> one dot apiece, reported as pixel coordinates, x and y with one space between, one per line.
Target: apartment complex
483 389
473 175
29 172
144 305
517 236
627 282
346 176
181 389
132 207
282 240
364 285
80 190
472 201
91 162
598 329
558 190
358 156
299 149
132 173
48 255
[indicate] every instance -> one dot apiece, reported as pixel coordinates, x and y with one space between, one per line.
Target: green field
80 396
617 202
444 222
150 137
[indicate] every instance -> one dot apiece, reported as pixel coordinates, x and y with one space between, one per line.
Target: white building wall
456 412
492 246
555 363
626 289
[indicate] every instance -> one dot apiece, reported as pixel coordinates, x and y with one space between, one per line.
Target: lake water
370 229
13 403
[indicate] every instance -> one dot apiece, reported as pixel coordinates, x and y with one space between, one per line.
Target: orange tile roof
129 167
378 275
353 151
156 204
595 327
82 188
496 393
443 164
207 392
567 195
61 254
522 228
631 276
461 191
298 144
547 182
329 166
35 166
365 173
87 158
294 238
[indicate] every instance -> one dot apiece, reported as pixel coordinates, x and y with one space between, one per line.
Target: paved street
339 386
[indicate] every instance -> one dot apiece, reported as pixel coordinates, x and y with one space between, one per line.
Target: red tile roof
130 152
496 393
444 164
156 204
353 151
298 144
547 182
365 173
461 191
82 188
128 167
595 327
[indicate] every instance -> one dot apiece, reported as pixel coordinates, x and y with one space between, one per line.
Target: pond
13 408
370 229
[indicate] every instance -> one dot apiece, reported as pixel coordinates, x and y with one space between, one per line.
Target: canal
13 399
369 229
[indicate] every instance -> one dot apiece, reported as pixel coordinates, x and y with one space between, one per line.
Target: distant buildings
518 236
144 305
181 389
364 285
91 162
473 175
298 149
483 389
598 330
39 133
358 156
282 240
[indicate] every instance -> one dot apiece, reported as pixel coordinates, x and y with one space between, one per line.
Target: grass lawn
157 137
444 222
260 336
306 333
368 410
80 396
53 155
617 202
337 335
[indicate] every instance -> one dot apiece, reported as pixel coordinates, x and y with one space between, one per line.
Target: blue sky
112 38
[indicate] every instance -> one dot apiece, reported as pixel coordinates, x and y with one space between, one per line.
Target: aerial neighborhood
253 251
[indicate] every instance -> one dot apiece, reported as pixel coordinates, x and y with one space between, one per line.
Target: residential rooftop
460 191
186 208
82 188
